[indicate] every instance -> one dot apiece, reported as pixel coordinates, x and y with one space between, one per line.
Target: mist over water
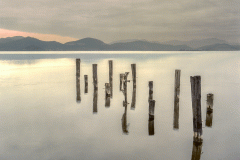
41 117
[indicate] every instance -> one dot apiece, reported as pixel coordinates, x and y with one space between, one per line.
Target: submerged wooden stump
196 107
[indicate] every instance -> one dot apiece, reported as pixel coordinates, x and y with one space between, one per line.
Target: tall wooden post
150 96
111 76
95 80
78 61
133 66
196 107
176 99
86 83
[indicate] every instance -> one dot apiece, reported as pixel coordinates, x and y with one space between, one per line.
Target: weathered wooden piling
125 88
121 82
107 90
95 80
209 113
209 102
111 76
196 107
124 121
176 99
86 83
133 66
95 99
78 61
151 109
197 150
150 85
151 127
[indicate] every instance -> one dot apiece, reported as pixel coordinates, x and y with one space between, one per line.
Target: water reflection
196 150
151 126
209 118
95 99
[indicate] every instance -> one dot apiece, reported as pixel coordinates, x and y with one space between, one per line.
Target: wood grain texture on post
111 76
196 107
95 80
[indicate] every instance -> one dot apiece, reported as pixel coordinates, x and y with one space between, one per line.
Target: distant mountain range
90 44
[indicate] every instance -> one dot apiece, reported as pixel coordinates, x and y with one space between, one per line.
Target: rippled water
41 118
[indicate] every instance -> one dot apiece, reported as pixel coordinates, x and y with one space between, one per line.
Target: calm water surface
41 119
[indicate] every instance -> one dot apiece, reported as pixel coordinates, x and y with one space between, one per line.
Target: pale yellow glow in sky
44 37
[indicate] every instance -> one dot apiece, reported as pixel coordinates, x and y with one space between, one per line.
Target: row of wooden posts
195 94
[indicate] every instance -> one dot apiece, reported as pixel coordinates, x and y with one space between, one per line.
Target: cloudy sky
113 20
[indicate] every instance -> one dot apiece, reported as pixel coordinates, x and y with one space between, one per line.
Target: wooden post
78 61
150 85
121 82
196 107
176 99
86 83
196 150
107 90
95 99
125 87
209 102
209 113
95 80
151 109
150 127
111 76
133 66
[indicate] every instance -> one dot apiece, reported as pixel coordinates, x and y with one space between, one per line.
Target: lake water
41 118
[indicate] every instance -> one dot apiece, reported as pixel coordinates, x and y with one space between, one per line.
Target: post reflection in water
196 150
209 118
151 126
95 99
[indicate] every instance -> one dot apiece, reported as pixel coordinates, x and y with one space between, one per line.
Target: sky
114 20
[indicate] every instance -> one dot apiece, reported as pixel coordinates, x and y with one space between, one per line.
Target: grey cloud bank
112 20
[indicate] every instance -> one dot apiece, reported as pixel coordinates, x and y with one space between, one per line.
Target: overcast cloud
112 20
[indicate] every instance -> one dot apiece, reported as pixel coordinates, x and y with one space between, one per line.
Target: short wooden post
107 89
209 102
78 61
133 66
86 83
95 80
196 107
176 99
95 99
196 150
150 127
125 87
121 81
111 76
151 109
150 85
